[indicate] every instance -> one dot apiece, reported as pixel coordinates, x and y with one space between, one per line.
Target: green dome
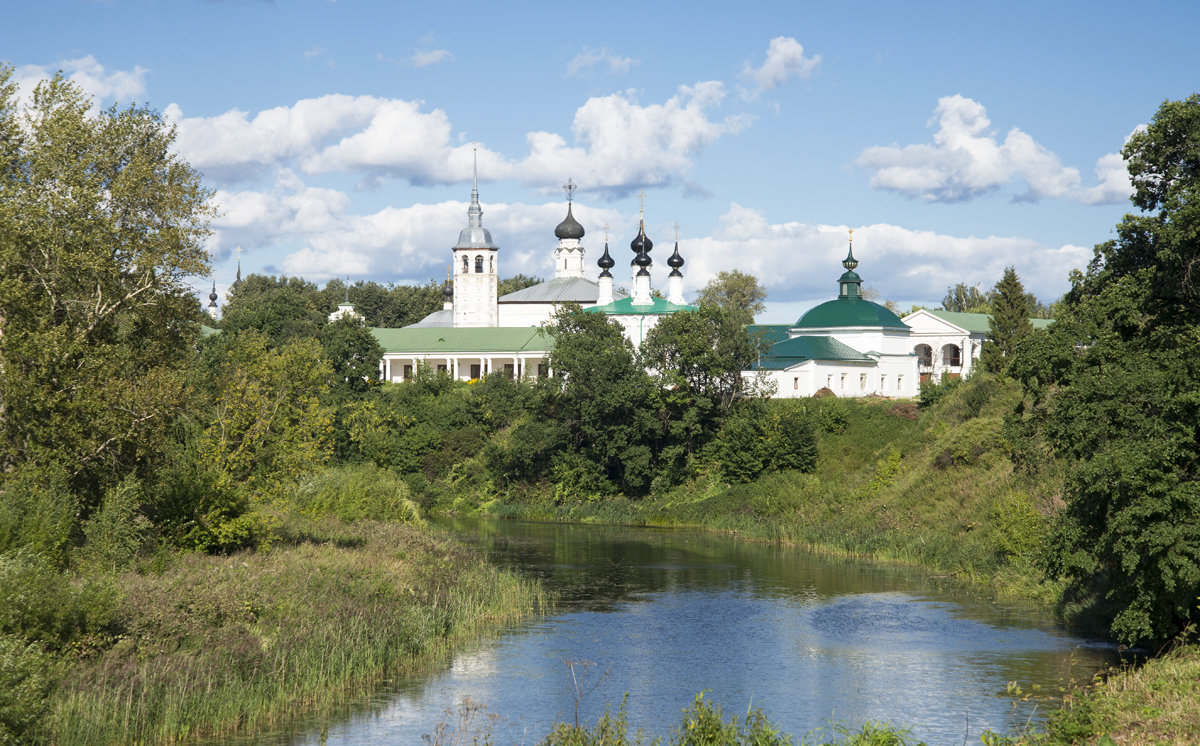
852 311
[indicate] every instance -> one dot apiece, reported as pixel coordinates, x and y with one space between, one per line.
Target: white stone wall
890 376
475 292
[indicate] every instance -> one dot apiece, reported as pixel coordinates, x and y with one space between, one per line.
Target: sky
338 137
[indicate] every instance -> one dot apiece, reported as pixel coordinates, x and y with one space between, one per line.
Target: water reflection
662 615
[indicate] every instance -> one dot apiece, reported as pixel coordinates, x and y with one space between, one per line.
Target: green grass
1156 703
217 646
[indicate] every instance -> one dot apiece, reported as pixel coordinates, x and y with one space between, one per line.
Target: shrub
117 530
357 492
969 443
27 676
38 512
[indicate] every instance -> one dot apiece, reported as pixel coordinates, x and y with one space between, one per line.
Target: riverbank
934 488
1154 703
228 645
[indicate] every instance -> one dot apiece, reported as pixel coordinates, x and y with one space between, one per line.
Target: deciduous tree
101 222
735 292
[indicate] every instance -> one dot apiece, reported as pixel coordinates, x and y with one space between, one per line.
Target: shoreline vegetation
245 643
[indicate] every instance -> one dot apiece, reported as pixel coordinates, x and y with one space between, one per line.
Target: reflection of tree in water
596 566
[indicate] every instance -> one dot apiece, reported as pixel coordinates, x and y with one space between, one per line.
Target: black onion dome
447 290
641 244
675 261
569 227
213 295
606 261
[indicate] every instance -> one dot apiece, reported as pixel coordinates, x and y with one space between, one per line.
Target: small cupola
850 283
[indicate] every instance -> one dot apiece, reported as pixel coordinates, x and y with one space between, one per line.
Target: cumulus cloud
967 160
589 58
620 144
316 233
623 145
785 60
101 84
799 263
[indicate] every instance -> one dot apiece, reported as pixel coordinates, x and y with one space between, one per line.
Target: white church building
478 332
849 346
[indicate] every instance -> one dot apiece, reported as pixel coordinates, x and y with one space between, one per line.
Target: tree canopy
1112 391
1008 323
100 224
736 292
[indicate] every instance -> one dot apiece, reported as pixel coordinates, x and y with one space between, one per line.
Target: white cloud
426 57
785 59
799 263
589 58
102 85
620 144
623 145
966 160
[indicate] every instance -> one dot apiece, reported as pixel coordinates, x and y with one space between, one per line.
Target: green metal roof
980 323
849 311
797 350
208 331
463 339
769 333
625 307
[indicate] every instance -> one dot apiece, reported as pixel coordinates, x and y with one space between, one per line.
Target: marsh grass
226 645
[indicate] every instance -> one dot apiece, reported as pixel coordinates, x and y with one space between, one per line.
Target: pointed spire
850 262
212 297
238 282
475 212
347 290
475 236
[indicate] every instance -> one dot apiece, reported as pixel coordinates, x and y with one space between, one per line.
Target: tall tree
735 292
1008 323
1113 390
602 398
282 308
100 223
964 298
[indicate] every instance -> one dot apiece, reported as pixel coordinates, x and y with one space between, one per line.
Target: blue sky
954 138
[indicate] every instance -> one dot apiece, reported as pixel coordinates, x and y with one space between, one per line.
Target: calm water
662 615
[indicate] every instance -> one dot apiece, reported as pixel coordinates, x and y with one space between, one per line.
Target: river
660 615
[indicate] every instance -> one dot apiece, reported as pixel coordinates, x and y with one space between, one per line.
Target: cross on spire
606 233
570 188
677 232
642 204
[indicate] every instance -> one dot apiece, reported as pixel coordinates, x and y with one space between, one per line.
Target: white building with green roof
948 343
850 346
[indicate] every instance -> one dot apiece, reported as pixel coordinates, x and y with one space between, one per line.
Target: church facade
848 346
478 332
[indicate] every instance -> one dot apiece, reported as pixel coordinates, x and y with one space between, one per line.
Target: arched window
466 266
952 356
924 356
478 264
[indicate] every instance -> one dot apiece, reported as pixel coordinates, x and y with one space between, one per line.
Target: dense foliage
1008 322
1114 392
